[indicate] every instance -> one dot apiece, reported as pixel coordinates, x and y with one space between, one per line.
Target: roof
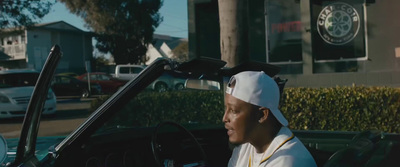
172 42
59 25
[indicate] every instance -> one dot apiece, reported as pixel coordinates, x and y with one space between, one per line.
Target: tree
16 13
234 31
99 63
181 52
122 27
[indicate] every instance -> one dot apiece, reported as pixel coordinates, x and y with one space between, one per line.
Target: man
257 126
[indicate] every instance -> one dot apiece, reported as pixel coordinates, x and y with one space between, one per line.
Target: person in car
257 127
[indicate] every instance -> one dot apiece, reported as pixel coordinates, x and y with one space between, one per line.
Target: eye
233 111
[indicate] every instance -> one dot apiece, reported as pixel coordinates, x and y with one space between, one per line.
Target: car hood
17 91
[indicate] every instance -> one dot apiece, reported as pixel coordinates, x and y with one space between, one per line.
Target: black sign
338 30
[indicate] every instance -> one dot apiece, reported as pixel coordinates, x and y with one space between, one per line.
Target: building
163 46
29 47
299 37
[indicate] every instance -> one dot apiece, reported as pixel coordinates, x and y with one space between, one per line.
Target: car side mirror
3 149
202 84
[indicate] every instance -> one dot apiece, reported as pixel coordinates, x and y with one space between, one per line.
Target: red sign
293 26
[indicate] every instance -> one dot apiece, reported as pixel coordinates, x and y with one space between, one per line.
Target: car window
94 77
136 70
124 70
103 77
19 79
65 80
185 106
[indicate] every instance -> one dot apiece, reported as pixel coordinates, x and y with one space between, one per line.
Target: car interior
127 138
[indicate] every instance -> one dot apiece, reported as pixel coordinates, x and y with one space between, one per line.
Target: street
71 112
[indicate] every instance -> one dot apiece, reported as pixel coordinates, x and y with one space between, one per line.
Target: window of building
283 31
339 31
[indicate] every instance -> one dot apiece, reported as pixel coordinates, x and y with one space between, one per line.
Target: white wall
152 54
38 48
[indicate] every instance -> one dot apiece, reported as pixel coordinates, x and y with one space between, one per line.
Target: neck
263 140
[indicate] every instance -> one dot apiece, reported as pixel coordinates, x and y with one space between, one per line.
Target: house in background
162 47
29 47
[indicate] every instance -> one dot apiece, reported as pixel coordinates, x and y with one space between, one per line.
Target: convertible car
139 127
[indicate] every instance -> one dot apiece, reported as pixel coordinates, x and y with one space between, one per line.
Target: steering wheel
170 148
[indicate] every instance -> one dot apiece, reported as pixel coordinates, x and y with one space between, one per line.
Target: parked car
108 83
71 74
127 71
135 127
16 87
63 85
167 82
164 83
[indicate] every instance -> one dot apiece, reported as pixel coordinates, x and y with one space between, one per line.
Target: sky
174 13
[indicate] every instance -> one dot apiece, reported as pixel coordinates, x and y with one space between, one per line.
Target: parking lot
71 112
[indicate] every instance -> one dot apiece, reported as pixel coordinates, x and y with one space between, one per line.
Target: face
240 120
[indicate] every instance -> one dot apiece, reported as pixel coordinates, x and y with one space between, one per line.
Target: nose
225 118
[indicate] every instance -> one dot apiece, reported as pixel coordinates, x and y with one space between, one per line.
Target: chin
235 141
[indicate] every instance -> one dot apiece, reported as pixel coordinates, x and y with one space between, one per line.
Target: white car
16 87
127 71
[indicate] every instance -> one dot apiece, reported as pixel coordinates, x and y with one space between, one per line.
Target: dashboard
129 149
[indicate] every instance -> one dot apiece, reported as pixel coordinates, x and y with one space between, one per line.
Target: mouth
230 130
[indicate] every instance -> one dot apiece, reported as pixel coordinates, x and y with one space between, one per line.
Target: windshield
18 79
167 99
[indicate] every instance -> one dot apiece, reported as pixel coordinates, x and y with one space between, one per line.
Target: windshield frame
117 101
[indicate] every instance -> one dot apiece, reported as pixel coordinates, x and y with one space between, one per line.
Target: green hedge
150 108
354 108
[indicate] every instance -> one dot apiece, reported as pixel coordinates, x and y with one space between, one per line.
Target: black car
63 85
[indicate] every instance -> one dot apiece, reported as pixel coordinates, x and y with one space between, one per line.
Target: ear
264 114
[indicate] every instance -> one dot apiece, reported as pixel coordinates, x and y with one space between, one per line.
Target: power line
167 25
176 18
172 31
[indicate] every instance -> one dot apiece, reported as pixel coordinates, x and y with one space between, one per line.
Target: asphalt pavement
71 112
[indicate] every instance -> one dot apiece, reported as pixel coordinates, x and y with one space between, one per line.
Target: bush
204 107
355 108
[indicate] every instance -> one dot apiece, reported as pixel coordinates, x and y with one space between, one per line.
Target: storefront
315 42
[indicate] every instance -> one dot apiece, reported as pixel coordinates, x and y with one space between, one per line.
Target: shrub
354 108
150 108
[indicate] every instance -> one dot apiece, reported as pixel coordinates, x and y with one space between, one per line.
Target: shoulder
292 153
292 161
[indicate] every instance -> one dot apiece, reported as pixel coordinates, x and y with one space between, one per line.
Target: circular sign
338 23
